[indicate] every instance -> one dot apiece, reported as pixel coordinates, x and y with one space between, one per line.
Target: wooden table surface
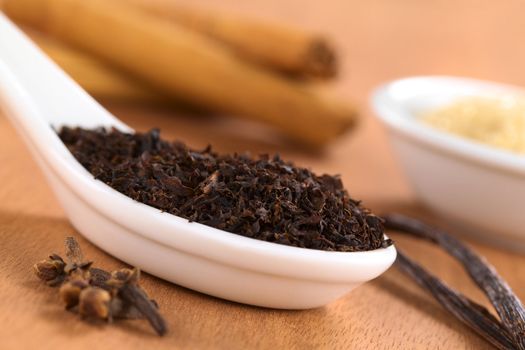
380 40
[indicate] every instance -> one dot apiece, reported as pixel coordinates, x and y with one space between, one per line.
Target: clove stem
73 252
135 296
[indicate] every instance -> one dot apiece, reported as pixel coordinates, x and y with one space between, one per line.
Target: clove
125 282
94 303
96 294
51 270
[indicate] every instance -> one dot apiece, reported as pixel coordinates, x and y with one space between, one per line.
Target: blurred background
165 64
371 42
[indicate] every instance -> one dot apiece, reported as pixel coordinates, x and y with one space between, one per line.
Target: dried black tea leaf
265 198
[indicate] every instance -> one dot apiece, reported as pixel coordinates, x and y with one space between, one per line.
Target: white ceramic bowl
35 94
480 188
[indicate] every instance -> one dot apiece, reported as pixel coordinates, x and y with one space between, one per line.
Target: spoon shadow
26 239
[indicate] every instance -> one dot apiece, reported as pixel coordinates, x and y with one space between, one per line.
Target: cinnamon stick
187 65
97 78
283 48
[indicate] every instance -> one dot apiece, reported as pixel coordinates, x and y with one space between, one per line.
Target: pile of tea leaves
265 198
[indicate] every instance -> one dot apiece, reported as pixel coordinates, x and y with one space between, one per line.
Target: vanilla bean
472 314
506 303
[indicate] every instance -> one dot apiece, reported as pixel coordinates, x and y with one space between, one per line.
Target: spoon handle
29 76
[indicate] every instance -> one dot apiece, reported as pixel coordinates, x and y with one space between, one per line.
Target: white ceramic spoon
37 95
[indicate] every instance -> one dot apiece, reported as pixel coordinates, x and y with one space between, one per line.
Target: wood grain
380 40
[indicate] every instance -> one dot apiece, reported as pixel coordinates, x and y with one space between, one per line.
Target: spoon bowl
39 97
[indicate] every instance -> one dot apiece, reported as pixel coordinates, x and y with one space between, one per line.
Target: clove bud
51 270
70 292
94 303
